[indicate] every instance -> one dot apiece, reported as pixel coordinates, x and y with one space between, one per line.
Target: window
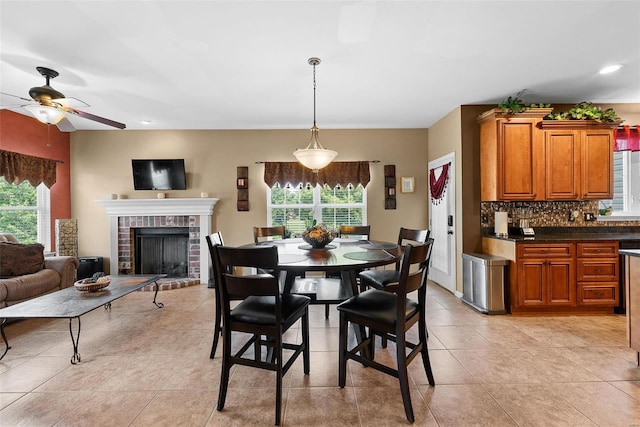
25 212
626 184
297 207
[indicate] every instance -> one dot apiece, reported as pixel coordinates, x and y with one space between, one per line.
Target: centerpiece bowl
318 236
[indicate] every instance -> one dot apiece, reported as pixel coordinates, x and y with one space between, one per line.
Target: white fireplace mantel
202 207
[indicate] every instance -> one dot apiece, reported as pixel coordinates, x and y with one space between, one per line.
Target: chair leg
342 349
425 354
326 311
278 350
403 376
305 340
226 368
217 328
217 331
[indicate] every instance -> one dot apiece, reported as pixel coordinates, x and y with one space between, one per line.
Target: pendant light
314 156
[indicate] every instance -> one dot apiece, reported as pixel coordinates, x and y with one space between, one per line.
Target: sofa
25 272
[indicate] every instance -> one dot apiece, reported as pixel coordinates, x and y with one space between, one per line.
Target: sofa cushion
17 259
31 285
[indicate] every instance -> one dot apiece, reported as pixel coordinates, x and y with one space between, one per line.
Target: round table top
295 255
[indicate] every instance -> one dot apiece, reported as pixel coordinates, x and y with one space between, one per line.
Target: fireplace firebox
161 250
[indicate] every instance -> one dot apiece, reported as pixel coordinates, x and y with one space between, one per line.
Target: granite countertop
564 234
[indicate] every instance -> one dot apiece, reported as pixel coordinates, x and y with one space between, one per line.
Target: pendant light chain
314 94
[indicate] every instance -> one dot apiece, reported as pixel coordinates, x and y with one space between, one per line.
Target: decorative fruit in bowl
318 236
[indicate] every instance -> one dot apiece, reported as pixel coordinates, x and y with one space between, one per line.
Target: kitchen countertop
564 234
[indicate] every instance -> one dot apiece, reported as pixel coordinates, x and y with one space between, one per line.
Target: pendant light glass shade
315 156
45 114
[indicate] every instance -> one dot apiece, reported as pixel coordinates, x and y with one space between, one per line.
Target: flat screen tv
159 174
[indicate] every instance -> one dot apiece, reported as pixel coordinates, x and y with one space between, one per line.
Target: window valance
336 173
627 138
16 167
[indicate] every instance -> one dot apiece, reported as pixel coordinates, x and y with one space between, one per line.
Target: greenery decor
586 111
515 105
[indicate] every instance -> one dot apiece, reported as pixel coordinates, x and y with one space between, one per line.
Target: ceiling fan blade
16 96
95 118
65 125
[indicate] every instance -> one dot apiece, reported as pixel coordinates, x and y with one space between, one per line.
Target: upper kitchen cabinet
578 160
524 158
511 154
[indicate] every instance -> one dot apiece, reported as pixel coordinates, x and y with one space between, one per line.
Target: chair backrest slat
232 261
263 233
355 230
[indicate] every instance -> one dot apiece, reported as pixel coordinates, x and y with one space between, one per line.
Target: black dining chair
215 239
261 234
391 312
263 311
378 279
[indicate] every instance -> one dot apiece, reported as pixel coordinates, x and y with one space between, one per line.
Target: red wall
26 135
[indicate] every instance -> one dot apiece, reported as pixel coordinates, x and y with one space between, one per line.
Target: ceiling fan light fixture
45 114
315 156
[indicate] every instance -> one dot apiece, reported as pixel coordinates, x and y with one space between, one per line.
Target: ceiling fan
52 107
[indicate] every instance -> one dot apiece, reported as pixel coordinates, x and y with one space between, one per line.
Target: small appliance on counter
522 229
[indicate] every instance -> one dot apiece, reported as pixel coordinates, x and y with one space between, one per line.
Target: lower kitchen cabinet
598 273
565 277
546 275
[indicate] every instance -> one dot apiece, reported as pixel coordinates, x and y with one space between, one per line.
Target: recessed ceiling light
146 122
610 68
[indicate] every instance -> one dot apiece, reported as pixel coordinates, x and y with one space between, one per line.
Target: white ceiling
385 64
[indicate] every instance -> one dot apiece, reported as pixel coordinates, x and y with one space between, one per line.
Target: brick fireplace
127 215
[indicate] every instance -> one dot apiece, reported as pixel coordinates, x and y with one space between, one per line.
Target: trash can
483 282
89 265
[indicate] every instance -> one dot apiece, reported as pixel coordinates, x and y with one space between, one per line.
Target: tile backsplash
547 214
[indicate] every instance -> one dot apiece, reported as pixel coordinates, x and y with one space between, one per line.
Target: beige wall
101 165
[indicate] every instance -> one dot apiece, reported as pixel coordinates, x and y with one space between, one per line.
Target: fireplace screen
162 250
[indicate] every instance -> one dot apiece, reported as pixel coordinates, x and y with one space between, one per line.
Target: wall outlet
484 218
589 216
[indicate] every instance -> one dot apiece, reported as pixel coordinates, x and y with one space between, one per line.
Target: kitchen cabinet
578 162
598 273
546 275
510 154
525 158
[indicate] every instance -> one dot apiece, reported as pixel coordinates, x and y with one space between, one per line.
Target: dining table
345 256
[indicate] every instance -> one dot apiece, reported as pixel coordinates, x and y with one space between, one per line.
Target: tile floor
143 366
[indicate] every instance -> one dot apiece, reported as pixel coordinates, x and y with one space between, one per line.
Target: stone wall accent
66 237
547 214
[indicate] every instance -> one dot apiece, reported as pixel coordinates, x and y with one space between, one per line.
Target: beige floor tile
330 406
41 409
107 408
632 388
8 398
177 408
601 402
459 337
382 406
32 373
536 405
600 361
323 371
445 367
464 405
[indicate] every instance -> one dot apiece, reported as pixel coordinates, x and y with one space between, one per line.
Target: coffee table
71 303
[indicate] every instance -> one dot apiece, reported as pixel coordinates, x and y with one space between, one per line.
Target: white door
442 225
